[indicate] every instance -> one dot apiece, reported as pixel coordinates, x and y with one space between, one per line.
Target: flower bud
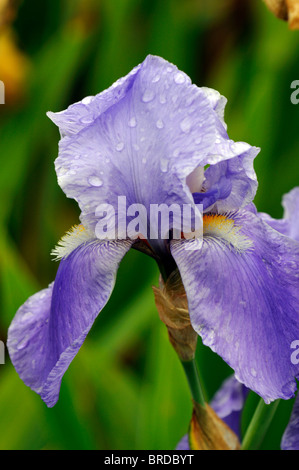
172 306
287 10
209 432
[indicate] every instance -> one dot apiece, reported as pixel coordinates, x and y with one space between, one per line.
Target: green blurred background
126 388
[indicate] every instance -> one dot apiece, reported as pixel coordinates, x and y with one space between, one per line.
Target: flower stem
259 425
192 375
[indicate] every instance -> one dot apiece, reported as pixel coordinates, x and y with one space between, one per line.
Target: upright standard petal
49 329
243 300
143 145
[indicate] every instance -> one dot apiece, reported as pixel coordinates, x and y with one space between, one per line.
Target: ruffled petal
230 184
83 113
244 303
49 329
144 145
289 224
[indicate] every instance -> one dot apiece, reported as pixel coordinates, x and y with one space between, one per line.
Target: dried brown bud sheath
172 306
209 432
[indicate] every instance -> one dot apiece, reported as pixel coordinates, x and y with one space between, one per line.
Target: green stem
192 375
259 425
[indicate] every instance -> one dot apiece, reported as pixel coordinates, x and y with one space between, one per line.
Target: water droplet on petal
120 146
160 124
143 160
164 165
162 99
87 100
87 120
23 343
156 79
179 78
95 181
186 125
132 122
148 96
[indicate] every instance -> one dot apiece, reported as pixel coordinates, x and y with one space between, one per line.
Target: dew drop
185 125
156 79
143 160
87 120
164 165
23 343
148 96
179 78
87 99
162 99
120 146
132 122
160 124
95 181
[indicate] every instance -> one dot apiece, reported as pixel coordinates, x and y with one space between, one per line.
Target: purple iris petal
141 143
289 224
228 403
230 184
184 443
81 114
290 203
290 438
244 304
49 329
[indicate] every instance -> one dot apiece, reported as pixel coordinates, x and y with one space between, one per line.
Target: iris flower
156 138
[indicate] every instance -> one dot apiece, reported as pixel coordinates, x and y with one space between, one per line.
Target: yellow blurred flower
14 65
